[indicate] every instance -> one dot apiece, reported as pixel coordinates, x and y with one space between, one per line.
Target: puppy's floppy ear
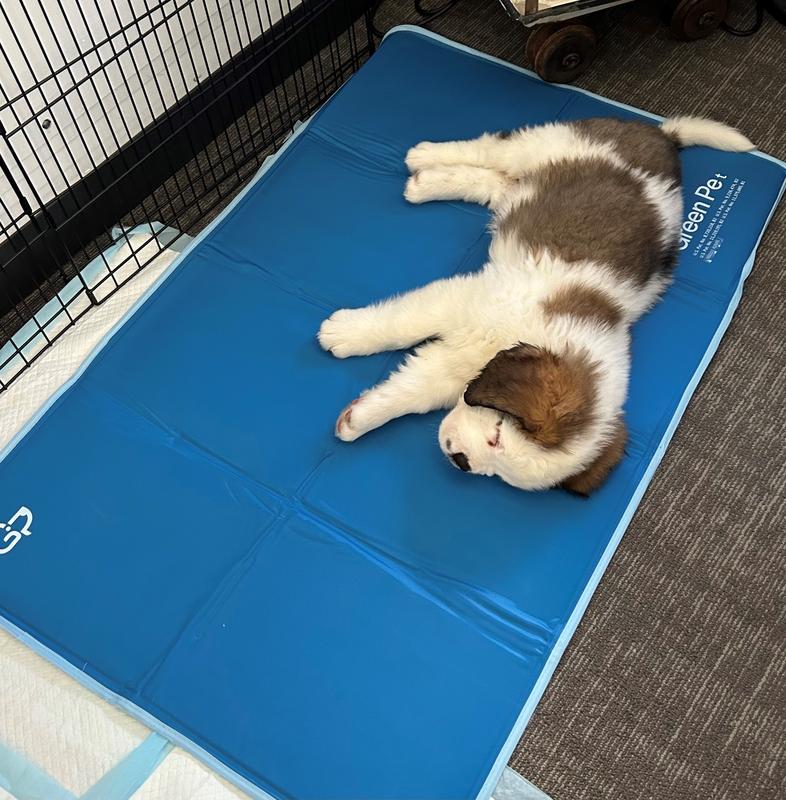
497 386
592 476
551 397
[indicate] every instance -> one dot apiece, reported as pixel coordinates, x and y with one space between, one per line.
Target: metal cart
560 48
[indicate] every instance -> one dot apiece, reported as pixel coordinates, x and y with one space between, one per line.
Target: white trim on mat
548 669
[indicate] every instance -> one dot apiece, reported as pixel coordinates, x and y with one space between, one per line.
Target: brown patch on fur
590 210
589 479
584 302
641 145
552 397
504 134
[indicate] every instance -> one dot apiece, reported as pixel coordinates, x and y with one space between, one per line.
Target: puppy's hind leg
486 151
472 184
515 154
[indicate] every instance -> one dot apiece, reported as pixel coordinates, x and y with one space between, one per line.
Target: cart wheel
695 19
538 36
561 53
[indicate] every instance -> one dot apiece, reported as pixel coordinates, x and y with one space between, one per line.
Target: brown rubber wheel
695 19
566 53
538 36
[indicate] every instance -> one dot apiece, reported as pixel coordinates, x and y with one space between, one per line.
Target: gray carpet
674 686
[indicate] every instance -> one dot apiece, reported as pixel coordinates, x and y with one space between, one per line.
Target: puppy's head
527 418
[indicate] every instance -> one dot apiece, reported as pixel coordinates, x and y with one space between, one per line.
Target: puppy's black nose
461 461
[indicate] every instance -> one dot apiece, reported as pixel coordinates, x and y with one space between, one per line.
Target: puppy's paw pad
342 334
345 429
422 156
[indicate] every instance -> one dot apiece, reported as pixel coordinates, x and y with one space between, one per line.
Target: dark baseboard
103 197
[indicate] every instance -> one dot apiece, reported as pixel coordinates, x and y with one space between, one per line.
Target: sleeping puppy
532 353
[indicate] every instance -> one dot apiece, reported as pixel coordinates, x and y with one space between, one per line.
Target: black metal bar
96 47
219 95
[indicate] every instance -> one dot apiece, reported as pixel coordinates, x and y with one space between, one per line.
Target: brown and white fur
532 353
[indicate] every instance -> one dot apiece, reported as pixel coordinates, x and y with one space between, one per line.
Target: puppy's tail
687 131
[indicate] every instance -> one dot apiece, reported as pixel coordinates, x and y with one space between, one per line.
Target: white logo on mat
16 527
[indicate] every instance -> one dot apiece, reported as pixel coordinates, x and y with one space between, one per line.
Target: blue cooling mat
321 620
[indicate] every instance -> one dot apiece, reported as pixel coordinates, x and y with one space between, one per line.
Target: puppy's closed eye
495 441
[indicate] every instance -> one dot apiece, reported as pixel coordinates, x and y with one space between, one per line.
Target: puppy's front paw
422 156
343 333
349 423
